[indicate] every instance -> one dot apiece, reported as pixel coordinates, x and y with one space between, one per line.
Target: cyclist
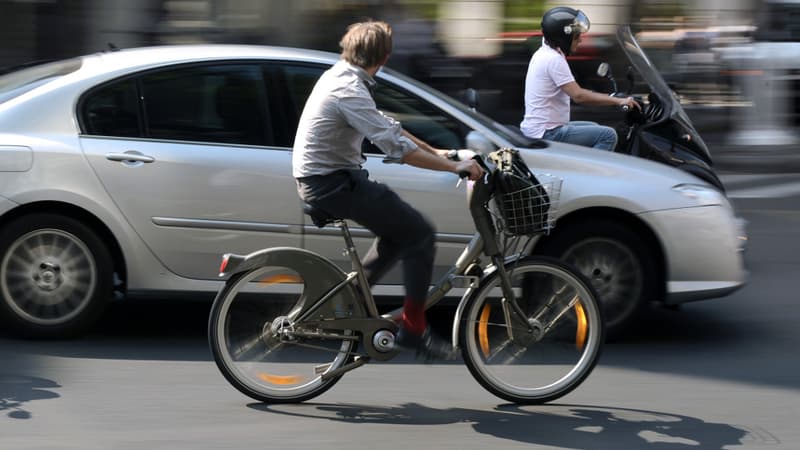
327 165
549 86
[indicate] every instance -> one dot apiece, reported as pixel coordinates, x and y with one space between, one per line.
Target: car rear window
16 83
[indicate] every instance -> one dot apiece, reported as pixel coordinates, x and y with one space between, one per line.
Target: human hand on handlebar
469 168
626 103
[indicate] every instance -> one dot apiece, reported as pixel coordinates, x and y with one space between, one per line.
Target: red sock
414 316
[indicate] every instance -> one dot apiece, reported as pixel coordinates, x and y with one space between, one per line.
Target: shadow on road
562 426
724 338
17 390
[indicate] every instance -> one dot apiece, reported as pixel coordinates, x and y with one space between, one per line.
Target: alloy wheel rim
614 272
48 276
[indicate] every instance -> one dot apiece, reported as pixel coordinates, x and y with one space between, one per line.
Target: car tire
615 259
56 276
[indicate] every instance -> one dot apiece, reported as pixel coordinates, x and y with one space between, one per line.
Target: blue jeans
588 134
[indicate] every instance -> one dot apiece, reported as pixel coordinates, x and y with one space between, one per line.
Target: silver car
129 173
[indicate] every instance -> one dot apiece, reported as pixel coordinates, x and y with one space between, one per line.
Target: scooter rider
549 86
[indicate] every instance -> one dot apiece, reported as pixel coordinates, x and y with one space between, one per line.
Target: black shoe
428 346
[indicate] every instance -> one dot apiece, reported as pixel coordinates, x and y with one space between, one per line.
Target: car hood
600 178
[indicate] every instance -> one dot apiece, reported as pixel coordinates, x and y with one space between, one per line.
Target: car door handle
130 156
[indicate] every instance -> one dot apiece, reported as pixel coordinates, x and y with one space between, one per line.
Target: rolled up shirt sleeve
361 113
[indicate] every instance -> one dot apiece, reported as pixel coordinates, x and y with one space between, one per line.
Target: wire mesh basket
531 210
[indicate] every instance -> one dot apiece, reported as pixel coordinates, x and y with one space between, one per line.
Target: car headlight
741 233
700 194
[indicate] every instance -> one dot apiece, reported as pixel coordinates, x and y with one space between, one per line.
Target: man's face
575 41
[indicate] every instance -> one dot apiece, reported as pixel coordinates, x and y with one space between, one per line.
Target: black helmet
561 24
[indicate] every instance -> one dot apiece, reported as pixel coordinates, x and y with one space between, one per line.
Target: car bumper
703 249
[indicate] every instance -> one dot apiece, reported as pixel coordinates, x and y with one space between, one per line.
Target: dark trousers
402 233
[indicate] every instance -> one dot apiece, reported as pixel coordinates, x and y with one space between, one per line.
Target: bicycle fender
462 304
233 263
307 264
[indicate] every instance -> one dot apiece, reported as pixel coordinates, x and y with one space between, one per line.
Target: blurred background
734 63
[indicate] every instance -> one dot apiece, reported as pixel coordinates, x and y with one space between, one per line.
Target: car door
188 155
434 193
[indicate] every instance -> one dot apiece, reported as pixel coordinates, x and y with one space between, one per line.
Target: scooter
661 131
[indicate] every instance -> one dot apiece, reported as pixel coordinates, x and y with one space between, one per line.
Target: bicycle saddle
318 216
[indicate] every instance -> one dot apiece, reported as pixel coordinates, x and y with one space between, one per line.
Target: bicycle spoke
500 349
245 347
499 325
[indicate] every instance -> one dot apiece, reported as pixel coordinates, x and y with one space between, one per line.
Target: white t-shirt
546 104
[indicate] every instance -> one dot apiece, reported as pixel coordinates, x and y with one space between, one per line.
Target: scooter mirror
603 70
471 97
631 77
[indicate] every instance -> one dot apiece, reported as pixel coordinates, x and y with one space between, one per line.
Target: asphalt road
717 374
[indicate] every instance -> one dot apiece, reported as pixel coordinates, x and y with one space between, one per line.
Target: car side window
290 85
419 117
112 110
223 103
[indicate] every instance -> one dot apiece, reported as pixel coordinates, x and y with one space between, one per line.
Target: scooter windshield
648 71
669 100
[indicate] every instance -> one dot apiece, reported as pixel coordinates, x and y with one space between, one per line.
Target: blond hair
367 44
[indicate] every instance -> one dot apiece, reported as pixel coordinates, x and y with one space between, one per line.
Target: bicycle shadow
17 390
562 426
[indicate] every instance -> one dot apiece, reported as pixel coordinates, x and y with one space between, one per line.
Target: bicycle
530 329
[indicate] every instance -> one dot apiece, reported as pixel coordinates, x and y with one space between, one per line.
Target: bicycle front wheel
264 351
544 346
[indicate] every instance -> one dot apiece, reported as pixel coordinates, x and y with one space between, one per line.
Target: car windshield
510 133
16 83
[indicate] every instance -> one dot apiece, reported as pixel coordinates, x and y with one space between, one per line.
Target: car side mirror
479 143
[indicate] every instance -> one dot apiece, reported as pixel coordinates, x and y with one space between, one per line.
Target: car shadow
16 391
554 425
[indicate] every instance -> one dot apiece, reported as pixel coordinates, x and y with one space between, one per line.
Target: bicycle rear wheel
260 347
547 351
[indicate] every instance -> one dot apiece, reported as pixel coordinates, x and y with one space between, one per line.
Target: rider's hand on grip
628 103
469 169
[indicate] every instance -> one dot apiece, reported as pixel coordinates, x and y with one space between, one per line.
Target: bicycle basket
526 204
530 210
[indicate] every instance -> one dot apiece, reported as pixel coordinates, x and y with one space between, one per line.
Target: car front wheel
56 276
615 260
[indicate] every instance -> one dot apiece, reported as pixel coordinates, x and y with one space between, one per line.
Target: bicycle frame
483 241
464 273
334 318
